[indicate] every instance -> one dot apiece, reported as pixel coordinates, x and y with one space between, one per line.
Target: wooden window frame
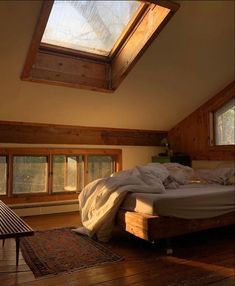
11 198
11 174
66 174
114 167
214 124
211 118
61 66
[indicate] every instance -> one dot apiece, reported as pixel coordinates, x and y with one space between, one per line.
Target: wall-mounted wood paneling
193 134
70 71
33 133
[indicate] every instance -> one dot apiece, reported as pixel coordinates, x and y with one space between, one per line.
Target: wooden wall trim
192 135
36 133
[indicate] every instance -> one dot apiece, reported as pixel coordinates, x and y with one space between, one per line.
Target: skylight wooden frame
61 66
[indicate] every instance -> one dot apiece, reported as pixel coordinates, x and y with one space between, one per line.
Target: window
88 26
52 174
93 44
68 173
29 174
3 174
100 166
224 121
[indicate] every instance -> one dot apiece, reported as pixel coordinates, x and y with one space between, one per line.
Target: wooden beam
34 46
35 133
150 227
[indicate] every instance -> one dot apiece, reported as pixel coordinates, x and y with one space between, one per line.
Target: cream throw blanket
100 200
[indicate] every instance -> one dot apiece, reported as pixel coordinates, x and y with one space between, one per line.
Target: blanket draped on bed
100 200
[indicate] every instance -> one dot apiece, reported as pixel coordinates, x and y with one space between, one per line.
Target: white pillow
215 176
180 173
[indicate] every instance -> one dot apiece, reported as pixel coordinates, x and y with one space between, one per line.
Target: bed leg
169 248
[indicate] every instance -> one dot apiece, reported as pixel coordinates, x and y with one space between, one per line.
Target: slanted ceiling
191 61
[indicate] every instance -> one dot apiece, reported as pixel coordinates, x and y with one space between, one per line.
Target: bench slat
12 226
11 223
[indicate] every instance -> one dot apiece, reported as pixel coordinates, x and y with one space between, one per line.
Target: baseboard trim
46 208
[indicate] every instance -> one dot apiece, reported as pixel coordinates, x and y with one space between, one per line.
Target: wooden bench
12 226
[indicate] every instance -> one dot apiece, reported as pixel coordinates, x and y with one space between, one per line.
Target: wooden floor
207 258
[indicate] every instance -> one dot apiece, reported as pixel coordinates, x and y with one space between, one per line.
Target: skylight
93 44
89 26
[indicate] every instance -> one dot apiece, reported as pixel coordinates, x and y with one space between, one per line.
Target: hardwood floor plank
204 259
225 282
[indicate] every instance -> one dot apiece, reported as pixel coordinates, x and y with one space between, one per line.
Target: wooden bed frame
152 228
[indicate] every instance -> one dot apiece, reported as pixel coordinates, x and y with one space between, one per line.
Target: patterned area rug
62 250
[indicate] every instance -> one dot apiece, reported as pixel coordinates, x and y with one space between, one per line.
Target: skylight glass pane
90 26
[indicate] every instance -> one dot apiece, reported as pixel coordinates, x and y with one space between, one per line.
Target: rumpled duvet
100 200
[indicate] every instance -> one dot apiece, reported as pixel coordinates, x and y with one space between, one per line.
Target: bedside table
161 159
178 158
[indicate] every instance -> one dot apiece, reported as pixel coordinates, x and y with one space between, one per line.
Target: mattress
192 201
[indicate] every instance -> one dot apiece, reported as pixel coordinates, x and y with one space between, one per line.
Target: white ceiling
190 61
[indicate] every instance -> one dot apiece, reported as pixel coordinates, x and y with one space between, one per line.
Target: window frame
9 153
46 172
66 168
214 122
211 123
59 66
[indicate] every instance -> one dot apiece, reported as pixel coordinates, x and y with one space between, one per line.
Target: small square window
224 121
30 174
100 166
68 173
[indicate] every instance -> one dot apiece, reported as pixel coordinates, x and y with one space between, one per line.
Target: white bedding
100 200
189 201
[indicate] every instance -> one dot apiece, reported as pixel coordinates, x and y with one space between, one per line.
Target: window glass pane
30 174
3 174
91 26
99 166
67 173
224 124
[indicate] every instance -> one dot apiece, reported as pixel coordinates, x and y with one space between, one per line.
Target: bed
188 209
157 201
